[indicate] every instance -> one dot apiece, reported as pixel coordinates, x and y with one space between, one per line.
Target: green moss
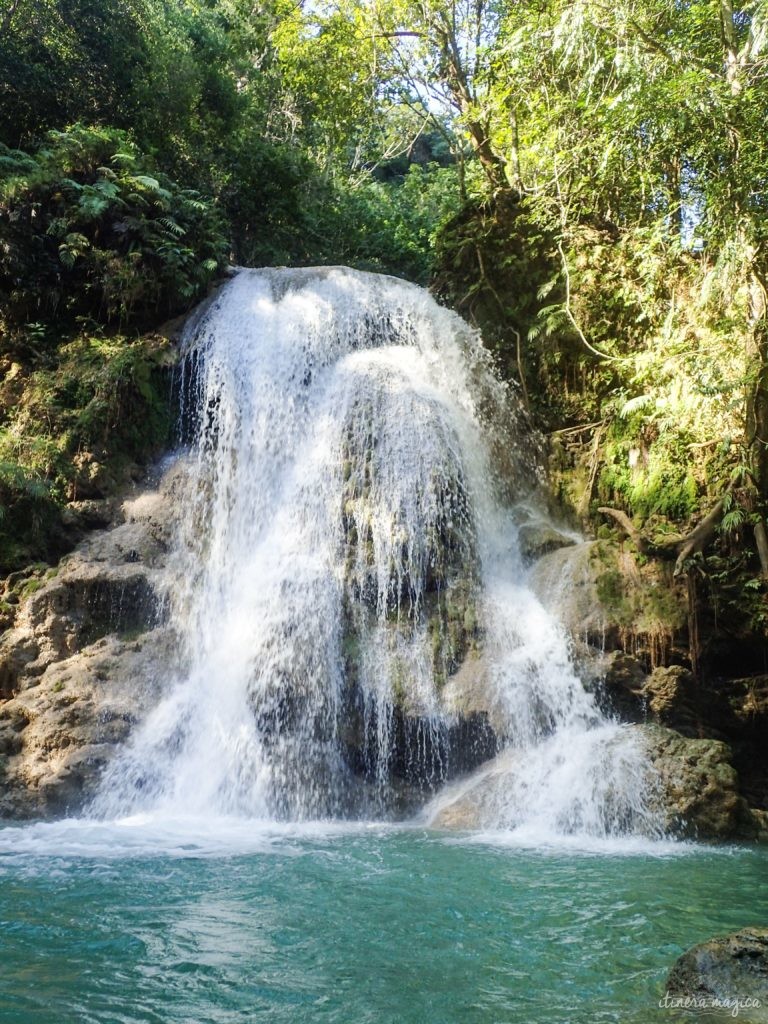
399 691
350 647
77 424
611 593
31 587
649 478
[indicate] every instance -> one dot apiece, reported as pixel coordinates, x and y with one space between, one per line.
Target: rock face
564 582
84 659
734 967
90 650
623 681
693 784
538 536
699 787
667 696
628 625
605 599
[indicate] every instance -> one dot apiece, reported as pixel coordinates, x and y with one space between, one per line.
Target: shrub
88 229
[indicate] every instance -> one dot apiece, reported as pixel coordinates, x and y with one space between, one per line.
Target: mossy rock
698 787
732 968
605 597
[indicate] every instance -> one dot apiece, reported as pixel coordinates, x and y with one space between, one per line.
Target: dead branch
623 520
682 547
576 430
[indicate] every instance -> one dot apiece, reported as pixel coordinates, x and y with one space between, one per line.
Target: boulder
698 787
729 973
673 699
692 786
474 802
623 681
538 537
469 692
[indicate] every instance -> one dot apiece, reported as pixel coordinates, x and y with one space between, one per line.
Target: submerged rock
730 968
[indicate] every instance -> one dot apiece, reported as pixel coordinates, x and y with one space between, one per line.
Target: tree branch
623 520
572 318
682 547
5 24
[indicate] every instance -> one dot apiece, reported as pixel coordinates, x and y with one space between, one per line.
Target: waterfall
346 581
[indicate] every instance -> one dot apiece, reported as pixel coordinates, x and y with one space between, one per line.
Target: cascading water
343 561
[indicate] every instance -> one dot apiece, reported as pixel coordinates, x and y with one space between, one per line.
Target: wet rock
698 787
86 655
537 538
733 967
623 685
522 785
469 692
605 599
564 582
424 751
692 787
476 801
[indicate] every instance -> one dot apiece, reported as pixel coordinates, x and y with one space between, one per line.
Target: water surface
104 923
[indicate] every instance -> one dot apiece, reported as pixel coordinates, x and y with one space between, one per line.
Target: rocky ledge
84 656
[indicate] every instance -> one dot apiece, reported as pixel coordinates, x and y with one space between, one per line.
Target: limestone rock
692 784
673 699
469 691
539 537
86 654
58 732
604 598
733 967
623 684
475 801
564 582
698 785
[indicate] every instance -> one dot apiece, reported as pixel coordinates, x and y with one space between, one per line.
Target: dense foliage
586 181
143 146
90 229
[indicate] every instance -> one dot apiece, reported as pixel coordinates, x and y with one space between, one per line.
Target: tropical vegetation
585 181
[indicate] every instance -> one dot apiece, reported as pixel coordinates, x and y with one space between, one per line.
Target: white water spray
343 556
